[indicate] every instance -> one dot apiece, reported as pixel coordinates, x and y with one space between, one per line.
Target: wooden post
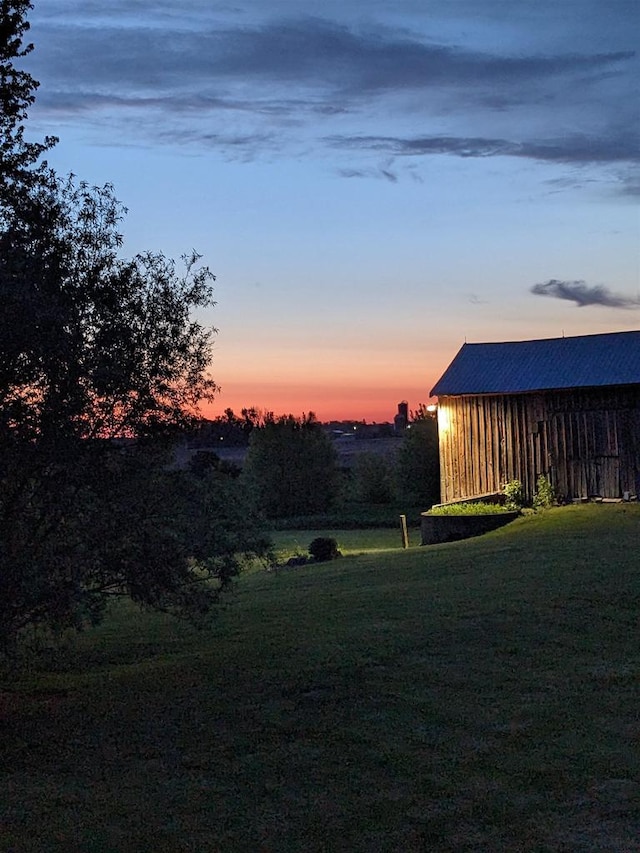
403 530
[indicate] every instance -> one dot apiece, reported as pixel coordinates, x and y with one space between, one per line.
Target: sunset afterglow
371 183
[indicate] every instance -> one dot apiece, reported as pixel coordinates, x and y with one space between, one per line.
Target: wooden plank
584 439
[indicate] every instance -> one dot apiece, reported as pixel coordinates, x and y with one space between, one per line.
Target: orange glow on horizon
373 405
344 385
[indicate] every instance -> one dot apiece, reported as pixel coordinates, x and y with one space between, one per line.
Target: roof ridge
608 358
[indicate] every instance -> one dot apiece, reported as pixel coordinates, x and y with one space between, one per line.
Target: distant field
346 448
474 696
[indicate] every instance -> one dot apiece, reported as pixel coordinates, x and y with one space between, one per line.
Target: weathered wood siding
586 441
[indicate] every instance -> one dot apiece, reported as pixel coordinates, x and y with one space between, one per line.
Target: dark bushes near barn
324 548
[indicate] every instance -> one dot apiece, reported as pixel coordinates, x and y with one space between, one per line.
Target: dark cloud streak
309 71
583 294
309 52
571 149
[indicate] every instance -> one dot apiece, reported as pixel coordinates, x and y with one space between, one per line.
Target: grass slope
479 695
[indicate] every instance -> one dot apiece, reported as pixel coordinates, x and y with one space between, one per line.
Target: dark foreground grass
474 696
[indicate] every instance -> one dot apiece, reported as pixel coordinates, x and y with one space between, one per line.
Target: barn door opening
604 477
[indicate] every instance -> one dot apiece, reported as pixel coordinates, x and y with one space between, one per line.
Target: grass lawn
350 542
475 696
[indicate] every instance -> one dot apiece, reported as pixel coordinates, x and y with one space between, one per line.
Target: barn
568 408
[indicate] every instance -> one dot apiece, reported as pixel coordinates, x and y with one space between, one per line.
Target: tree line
293 469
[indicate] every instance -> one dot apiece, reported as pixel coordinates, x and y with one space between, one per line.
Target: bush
514 494
478 508
324 548
545 495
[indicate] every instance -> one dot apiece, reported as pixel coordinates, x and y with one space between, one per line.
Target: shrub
514 494
544 496
324 548
478 508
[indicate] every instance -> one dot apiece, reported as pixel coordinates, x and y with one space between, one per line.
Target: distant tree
418 466
422 413
373 478
204 461
292 466
229 428
253 418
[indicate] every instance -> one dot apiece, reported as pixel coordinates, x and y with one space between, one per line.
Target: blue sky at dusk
373 183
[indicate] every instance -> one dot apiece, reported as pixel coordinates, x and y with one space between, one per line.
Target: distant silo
401 420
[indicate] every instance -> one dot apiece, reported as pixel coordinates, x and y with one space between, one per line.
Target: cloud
307 51
583 294
474 299
630 186
338 82
571 149
383 172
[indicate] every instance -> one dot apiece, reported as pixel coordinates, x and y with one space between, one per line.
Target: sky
373 182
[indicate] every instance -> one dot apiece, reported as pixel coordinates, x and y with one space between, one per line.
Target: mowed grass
474 696
290 543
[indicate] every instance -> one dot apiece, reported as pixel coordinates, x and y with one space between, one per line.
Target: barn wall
587 441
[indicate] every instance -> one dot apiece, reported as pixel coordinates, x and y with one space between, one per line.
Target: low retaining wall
449 528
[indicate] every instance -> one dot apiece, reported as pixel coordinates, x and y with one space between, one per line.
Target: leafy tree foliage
228 428
91 345
291 465
373 479
102 520
17 94
418 460
101 365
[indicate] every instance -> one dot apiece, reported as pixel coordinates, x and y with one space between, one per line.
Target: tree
94 346
116 352
102 364
17 94
373 478
234 431
101 521
291 466
418 460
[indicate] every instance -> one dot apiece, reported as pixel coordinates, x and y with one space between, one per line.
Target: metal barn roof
518 366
